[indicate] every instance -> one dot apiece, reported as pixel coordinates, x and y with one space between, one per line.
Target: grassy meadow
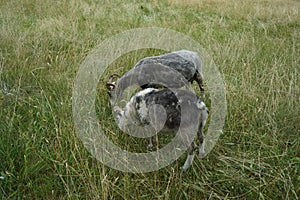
256 46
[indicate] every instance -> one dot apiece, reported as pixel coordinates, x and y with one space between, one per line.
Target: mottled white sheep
137 111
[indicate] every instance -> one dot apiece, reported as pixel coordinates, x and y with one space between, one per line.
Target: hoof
201 154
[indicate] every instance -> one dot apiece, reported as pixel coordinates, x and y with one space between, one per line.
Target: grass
255 44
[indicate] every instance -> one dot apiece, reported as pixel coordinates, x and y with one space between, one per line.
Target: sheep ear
113 76
118 110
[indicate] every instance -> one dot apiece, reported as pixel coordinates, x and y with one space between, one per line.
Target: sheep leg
198 77
150 144
204 115
190 157
201 141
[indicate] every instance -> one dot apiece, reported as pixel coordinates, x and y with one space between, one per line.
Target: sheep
137 111
186 62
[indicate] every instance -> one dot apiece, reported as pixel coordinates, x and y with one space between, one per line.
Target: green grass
256 46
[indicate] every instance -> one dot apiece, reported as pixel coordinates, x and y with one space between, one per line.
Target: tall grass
256 46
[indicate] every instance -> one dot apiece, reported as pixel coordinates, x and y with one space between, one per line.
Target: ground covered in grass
256 46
